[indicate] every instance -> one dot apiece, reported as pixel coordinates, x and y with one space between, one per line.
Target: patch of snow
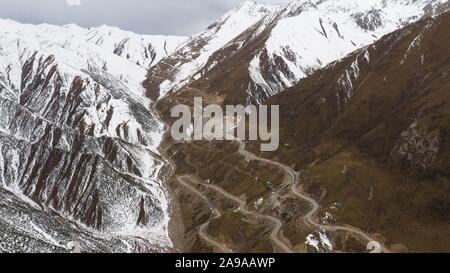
312 241
319 242
258 202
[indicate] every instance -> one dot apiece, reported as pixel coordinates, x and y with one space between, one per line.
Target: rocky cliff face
77 140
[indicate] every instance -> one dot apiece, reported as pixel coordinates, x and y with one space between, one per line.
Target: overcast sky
178 17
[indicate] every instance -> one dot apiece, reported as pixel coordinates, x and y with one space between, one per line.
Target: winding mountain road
242 204
202 230
294 176
309 218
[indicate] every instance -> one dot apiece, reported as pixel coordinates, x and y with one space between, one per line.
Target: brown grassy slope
385 130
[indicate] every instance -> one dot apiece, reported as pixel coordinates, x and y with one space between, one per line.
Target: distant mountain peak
289 42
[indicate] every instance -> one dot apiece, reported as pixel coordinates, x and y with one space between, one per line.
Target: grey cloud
177 17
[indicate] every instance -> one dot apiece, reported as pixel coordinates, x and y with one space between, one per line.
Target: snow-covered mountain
275 46
143 50
308 35
79 165
180 68
77 139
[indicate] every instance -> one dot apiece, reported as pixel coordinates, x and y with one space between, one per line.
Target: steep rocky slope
77 141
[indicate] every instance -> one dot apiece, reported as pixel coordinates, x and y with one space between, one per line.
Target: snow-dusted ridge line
293 40
296 39
141 49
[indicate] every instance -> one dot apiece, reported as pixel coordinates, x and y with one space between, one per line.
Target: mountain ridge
288 44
